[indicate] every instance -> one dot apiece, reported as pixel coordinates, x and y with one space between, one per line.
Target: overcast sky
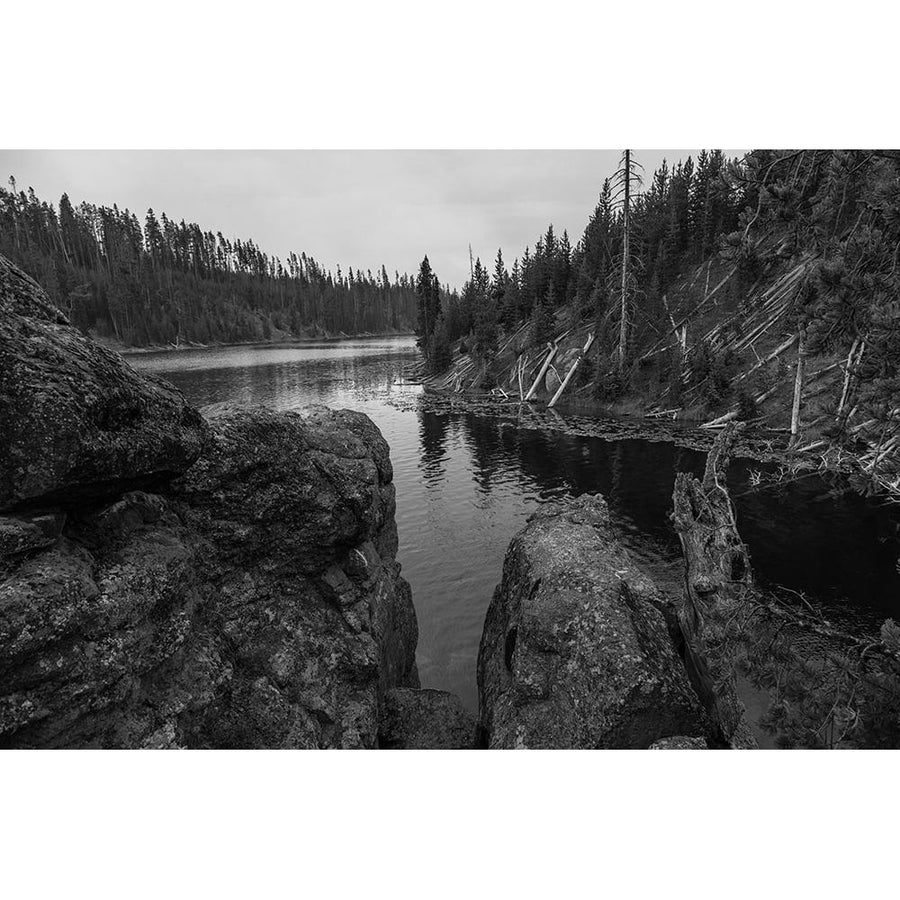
357 208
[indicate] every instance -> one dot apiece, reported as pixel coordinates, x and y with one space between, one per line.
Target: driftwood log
717 578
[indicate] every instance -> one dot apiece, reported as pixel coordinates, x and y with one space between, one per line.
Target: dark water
466 483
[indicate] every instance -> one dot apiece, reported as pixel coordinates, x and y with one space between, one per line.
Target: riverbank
584 417
730 351
119 347
757 443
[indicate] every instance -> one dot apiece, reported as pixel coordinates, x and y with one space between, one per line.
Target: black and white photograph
320 438
634 487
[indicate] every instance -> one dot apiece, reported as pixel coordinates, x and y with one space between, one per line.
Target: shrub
610 386
676 386
747 408
542 322
711 372
586 372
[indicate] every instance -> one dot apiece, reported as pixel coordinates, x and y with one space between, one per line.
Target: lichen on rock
576 650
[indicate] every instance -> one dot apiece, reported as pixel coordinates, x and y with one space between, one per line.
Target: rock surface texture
175 580
76 421
680 743
425 720
576 650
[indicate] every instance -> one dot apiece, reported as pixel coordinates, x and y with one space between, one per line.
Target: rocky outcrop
77 423
319 623
425 720
254 603
576 650
173 580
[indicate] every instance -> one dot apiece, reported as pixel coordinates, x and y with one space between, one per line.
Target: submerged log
717 577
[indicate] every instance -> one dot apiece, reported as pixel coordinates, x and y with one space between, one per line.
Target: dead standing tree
626 175
717 577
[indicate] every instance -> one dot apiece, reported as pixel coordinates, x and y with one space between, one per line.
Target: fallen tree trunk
773 355
798 392
717 577
685 319
551 352
849 373
731 416
571 371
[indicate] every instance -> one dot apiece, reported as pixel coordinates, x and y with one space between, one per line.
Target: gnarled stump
717 576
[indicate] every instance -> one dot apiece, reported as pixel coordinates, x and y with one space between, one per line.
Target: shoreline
753 442
216 345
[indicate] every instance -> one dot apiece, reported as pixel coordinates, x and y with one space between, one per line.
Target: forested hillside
766 289
172 283
676 220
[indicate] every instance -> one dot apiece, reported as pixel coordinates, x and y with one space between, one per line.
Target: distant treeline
173 282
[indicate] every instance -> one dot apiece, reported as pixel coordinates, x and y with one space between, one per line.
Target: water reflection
433 432
467 483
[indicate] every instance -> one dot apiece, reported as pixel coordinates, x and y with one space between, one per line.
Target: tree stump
717 577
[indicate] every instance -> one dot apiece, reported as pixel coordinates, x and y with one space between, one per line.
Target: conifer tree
439 354
510 310
526 293
543 320
485 313
500 279
599 306
428 302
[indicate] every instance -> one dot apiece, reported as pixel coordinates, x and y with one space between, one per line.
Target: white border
472 73
466 74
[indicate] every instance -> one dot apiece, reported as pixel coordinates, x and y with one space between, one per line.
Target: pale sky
358 208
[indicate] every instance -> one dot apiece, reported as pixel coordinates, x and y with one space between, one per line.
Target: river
467 482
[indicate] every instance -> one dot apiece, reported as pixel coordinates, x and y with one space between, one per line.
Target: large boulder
254 602
77 423
298 509
576 650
